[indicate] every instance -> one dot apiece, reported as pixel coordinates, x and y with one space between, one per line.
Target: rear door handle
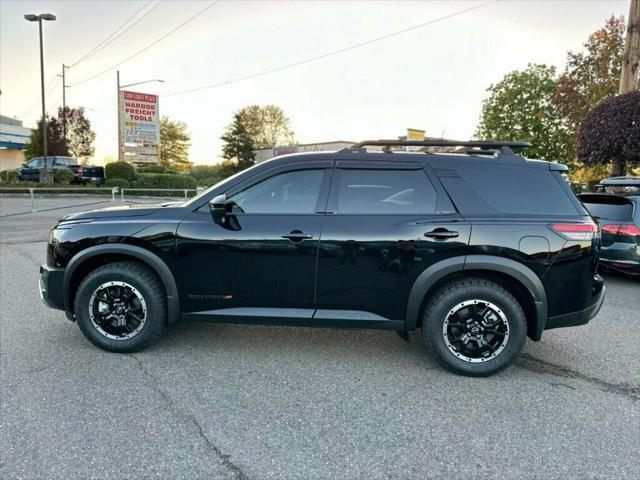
441 234
297 236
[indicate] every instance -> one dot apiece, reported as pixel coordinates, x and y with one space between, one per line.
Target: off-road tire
146 282
456 292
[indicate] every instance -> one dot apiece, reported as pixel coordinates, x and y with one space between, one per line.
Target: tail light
576 231
624 230
80 170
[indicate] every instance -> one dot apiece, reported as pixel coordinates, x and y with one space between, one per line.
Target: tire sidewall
154 304
437 313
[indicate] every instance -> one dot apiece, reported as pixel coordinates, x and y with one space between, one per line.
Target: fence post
122 194
114 190
33 201
185 194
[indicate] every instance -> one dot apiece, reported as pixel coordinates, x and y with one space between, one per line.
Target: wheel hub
476 331
117 310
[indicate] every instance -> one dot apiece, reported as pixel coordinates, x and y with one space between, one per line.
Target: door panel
261 256
369 262
384 232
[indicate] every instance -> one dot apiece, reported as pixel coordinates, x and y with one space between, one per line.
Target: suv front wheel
474 327
121 306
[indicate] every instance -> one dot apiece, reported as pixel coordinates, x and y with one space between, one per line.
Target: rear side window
526 191
609 208
385 191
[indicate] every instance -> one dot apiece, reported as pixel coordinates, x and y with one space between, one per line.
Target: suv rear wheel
121 307
474 327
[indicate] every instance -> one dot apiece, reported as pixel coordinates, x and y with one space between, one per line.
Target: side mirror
24 165
218 207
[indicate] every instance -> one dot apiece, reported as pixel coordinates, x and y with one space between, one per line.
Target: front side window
385 191
36 163
290 192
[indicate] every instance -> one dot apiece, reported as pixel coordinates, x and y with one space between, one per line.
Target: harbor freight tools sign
140 127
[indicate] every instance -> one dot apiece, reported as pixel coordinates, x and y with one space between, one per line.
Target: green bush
116 182
210 181
163 180
63 176
152 169
120 170
9 176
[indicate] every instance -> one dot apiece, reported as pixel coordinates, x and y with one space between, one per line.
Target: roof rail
482 144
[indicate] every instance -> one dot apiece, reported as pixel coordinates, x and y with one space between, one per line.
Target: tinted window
385 191
290 192
517 190
36 163
608 208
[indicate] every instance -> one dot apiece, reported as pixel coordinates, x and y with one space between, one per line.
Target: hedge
9 176
152 169
120 170
63 176
163 180
116 182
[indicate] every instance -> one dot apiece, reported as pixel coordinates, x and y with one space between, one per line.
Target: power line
329 54
190 19
118 32
47 90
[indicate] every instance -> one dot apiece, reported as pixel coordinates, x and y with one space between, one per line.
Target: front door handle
441 234
297 236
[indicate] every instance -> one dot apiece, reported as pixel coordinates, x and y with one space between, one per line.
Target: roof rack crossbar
482 144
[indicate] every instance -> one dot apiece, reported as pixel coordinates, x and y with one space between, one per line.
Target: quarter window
290 192
385 191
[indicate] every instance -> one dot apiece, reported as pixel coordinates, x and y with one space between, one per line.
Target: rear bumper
50 286
621 257
581 317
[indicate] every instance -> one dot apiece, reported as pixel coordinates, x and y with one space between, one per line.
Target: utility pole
631 58
120 129
64 102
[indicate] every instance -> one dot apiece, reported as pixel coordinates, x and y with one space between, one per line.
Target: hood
120 211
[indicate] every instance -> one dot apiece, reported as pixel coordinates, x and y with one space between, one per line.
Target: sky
432 78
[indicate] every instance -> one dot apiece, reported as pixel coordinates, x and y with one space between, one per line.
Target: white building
267 153
13 138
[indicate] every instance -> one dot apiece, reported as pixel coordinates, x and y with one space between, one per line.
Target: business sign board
414 134
140 127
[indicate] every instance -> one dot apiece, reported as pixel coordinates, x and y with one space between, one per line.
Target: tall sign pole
64 102
120 129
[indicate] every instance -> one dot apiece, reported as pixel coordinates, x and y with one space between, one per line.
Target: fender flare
523 274
139 253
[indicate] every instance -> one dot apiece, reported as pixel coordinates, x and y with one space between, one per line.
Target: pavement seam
226 461
537 365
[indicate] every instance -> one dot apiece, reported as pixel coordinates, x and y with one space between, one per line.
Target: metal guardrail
184 190
113 190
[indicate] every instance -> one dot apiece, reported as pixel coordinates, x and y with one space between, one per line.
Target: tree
611 133
239 145
175 141
255 127
592 75
520 107
80 137
55 140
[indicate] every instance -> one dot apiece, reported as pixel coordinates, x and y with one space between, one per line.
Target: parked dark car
480 249
30 171
617 209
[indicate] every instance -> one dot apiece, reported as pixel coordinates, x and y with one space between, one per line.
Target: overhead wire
189 20
118 32
328 54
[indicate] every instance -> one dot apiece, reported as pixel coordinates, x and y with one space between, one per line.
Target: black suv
479 248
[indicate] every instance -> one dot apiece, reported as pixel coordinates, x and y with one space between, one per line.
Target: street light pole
39 18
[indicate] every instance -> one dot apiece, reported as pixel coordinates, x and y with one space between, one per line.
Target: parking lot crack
537 365
154 384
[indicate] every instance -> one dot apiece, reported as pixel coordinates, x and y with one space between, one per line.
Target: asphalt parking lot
254 402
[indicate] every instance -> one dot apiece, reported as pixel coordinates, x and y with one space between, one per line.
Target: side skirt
297 317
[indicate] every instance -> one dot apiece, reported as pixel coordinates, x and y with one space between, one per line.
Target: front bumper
581 317
50 286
